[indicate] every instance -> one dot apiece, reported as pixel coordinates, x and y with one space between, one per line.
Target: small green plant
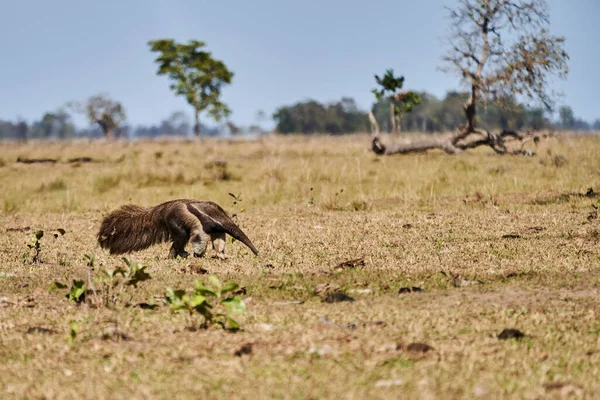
217 313
75 293
91 260
73 328
115 280
35 244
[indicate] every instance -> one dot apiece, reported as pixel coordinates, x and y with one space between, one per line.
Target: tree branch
374 124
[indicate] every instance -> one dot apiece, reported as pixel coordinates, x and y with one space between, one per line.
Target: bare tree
500 49
101 110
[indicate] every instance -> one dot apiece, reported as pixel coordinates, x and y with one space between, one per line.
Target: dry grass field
494 242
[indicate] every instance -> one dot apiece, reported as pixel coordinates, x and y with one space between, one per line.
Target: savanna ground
495 242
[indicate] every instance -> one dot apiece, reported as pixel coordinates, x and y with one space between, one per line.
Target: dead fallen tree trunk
80 160
52 160
418 146
36 160
460 142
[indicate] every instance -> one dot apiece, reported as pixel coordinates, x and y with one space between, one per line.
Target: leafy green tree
195 74
400 101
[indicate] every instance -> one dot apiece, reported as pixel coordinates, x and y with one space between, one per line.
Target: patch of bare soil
513 296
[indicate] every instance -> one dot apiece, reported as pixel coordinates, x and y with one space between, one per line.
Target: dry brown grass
521 226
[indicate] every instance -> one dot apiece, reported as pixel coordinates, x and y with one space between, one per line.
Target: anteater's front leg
199 240
218 242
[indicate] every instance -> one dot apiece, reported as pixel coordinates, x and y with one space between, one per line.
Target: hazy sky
54 51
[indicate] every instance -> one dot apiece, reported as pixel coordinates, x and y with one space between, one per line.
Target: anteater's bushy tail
131 228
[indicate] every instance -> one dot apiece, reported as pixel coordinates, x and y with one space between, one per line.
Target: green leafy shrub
214 302
75 293
114 281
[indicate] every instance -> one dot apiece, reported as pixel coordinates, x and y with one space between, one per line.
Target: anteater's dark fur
133 228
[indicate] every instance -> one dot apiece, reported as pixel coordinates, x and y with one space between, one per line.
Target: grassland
495 242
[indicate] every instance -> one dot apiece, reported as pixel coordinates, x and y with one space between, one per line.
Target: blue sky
280 51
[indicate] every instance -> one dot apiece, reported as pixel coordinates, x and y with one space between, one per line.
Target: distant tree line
431 115
312 117
52 125
59 125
